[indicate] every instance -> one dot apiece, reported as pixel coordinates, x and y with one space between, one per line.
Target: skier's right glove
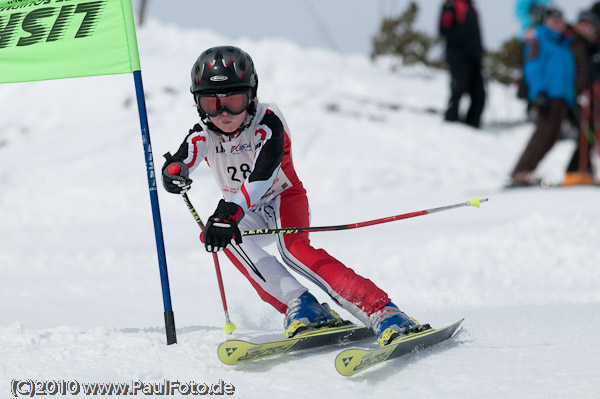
222 227
176 177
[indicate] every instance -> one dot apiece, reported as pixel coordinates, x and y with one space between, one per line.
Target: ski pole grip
174 169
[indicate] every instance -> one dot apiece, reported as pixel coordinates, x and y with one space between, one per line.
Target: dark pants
587 121
466 79
574 163
547 132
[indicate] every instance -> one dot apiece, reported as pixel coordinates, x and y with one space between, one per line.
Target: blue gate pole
158 232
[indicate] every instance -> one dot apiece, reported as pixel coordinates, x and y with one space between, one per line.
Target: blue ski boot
389 323
305 313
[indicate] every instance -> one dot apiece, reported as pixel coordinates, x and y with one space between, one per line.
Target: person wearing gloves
247 145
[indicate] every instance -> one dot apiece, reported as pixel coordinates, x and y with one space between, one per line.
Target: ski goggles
215 104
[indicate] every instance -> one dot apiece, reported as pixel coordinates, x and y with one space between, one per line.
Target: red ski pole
229 327
292 230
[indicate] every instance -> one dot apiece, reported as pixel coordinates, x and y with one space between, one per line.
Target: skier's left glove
222 227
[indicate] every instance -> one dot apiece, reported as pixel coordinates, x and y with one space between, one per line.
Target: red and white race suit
254 169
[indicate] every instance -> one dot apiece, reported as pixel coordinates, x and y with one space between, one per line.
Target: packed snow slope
80 287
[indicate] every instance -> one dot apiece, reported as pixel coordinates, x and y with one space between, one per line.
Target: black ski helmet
224 69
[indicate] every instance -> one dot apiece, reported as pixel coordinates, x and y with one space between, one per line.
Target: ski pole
228 327
475 202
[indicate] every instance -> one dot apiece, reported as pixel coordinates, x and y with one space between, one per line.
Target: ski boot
305 313
389 323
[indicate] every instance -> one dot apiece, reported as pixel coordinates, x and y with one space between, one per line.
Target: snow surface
80 288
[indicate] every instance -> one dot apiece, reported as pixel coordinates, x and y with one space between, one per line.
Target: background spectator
530 13
459 25
586 49
549 72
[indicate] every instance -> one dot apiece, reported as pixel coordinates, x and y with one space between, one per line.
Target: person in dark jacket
595 9
583 168
459 25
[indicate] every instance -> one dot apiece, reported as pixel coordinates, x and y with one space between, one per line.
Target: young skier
247 146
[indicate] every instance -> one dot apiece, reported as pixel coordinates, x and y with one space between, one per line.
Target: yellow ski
235 351
352 361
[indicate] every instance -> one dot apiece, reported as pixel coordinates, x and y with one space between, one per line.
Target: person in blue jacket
529 13
549 72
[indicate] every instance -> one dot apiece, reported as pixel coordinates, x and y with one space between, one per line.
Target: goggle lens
234 104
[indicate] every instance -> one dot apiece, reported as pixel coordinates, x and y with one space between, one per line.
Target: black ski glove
222 227
542 102
176 177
